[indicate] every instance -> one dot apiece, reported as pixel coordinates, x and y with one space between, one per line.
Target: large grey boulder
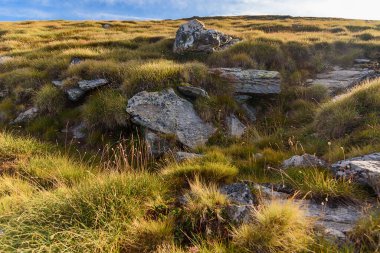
363 170
26 116
304 160
339 80
251 81
167 113
234 126
242 201
194 37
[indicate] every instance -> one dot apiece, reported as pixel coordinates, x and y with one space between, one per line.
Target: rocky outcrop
26 116
183 156
167 113
77 92
242 201
194 37
363 170
249 110
339 80
251 81
192 92
304 160
234 126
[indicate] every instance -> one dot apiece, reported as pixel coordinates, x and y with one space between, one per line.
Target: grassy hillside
107 194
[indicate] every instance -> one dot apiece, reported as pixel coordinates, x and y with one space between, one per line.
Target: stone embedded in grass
26 116
87 85
251 81
339 80
363 170
242 201
75 61
192 92
183 156
194 37
75 94
167 113
156 144
234 126
362 61
304 160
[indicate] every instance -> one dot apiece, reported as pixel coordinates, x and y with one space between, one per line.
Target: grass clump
214 167
277 227
49 99
148 235
350 112
105 109
366 234
73 220
320 184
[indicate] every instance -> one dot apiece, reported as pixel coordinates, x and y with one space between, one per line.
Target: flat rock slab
194 37
235 127
304 160
87 85
363 169
251 81
77 92
165 112
192 92
339 80
26 116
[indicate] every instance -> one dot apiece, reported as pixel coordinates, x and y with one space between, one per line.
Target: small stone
75 94
106 26
362 61
305 160
26 116
183 156
58 84
75 61
192 92
234 126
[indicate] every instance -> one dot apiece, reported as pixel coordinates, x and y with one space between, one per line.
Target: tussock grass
277 227
366 234
349 112
105 109
215 167
49 99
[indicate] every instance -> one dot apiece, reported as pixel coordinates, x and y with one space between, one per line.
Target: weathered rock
251 81
234 126
26 116
75 61
87 85
166 112
249 110
183 156
192 92
363 169
242 201
75 94
339 80
362 61
194 37
77 132
305 160
156 144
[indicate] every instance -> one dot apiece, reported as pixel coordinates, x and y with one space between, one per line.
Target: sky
14 10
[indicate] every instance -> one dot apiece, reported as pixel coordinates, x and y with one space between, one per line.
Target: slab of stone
340 80
304 160
192 92
26 116
234 126
194 37
74 94
251 81
165 112
183 156
362 61
363 170
87 85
